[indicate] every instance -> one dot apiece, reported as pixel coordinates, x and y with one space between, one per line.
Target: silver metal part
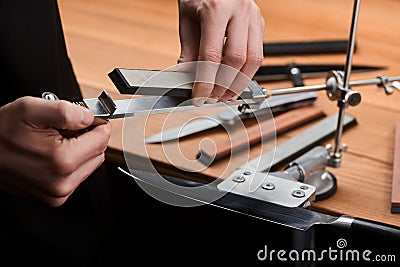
351 44
385 83
324 182
396 85
103 106
150 105
169 83
343 221
320 87
231 114
336 155
309 163
296 144
310 169
267 187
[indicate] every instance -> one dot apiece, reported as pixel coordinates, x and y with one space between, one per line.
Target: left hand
203 26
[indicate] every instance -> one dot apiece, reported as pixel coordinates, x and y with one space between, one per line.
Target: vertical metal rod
346 80
351 44
339 131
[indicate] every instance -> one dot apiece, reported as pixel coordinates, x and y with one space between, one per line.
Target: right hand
36 159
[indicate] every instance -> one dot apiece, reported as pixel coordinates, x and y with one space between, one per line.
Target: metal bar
295 90
335 159
351 44
319 87
346 82
296 145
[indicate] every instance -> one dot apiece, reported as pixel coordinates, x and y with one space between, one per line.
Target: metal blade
151 105
296 144
280 72
294 217
192 127
276 104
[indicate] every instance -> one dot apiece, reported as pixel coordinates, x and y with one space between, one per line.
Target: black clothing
34 59
32 51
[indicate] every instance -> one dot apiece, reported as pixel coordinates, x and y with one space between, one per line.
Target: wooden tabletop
102 35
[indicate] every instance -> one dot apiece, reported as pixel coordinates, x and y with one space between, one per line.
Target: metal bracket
269 187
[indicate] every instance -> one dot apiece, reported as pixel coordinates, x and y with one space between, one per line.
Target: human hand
203 26
36 159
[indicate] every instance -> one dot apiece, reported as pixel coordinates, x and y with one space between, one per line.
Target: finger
254 59
85 170
59 114
54 191
210 55
204 81
86 146
40 180
235 55
189 34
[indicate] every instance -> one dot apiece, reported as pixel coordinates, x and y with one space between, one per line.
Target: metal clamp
270 188
386 84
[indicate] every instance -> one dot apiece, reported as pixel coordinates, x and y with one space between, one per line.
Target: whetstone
396 171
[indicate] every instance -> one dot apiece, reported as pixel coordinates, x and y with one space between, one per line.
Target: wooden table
103 34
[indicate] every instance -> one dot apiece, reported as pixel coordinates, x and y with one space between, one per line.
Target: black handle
372 228
301 48
295 75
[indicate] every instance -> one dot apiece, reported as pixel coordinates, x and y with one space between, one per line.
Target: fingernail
87 116
212 100
198 101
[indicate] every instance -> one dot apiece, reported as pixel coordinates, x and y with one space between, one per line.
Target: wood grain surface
103 34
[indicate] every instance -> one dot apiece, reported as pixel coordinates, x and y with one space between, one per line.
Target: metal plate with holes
264 186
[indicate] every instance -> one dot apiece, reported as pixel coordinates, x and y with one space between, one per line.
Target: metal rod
338 133
373 81
319 87
351 44
294 90
346 81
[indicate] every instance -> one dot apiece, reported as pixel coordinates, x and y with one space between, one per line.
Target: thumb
58 114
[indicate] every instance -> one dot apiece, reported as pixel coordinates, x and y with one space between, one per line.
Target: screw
268 186
238 179
304 187
247 172
298 193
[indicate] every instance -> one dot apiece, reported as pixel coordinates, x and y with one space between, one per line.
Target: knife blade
292 217
305 47
277 104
